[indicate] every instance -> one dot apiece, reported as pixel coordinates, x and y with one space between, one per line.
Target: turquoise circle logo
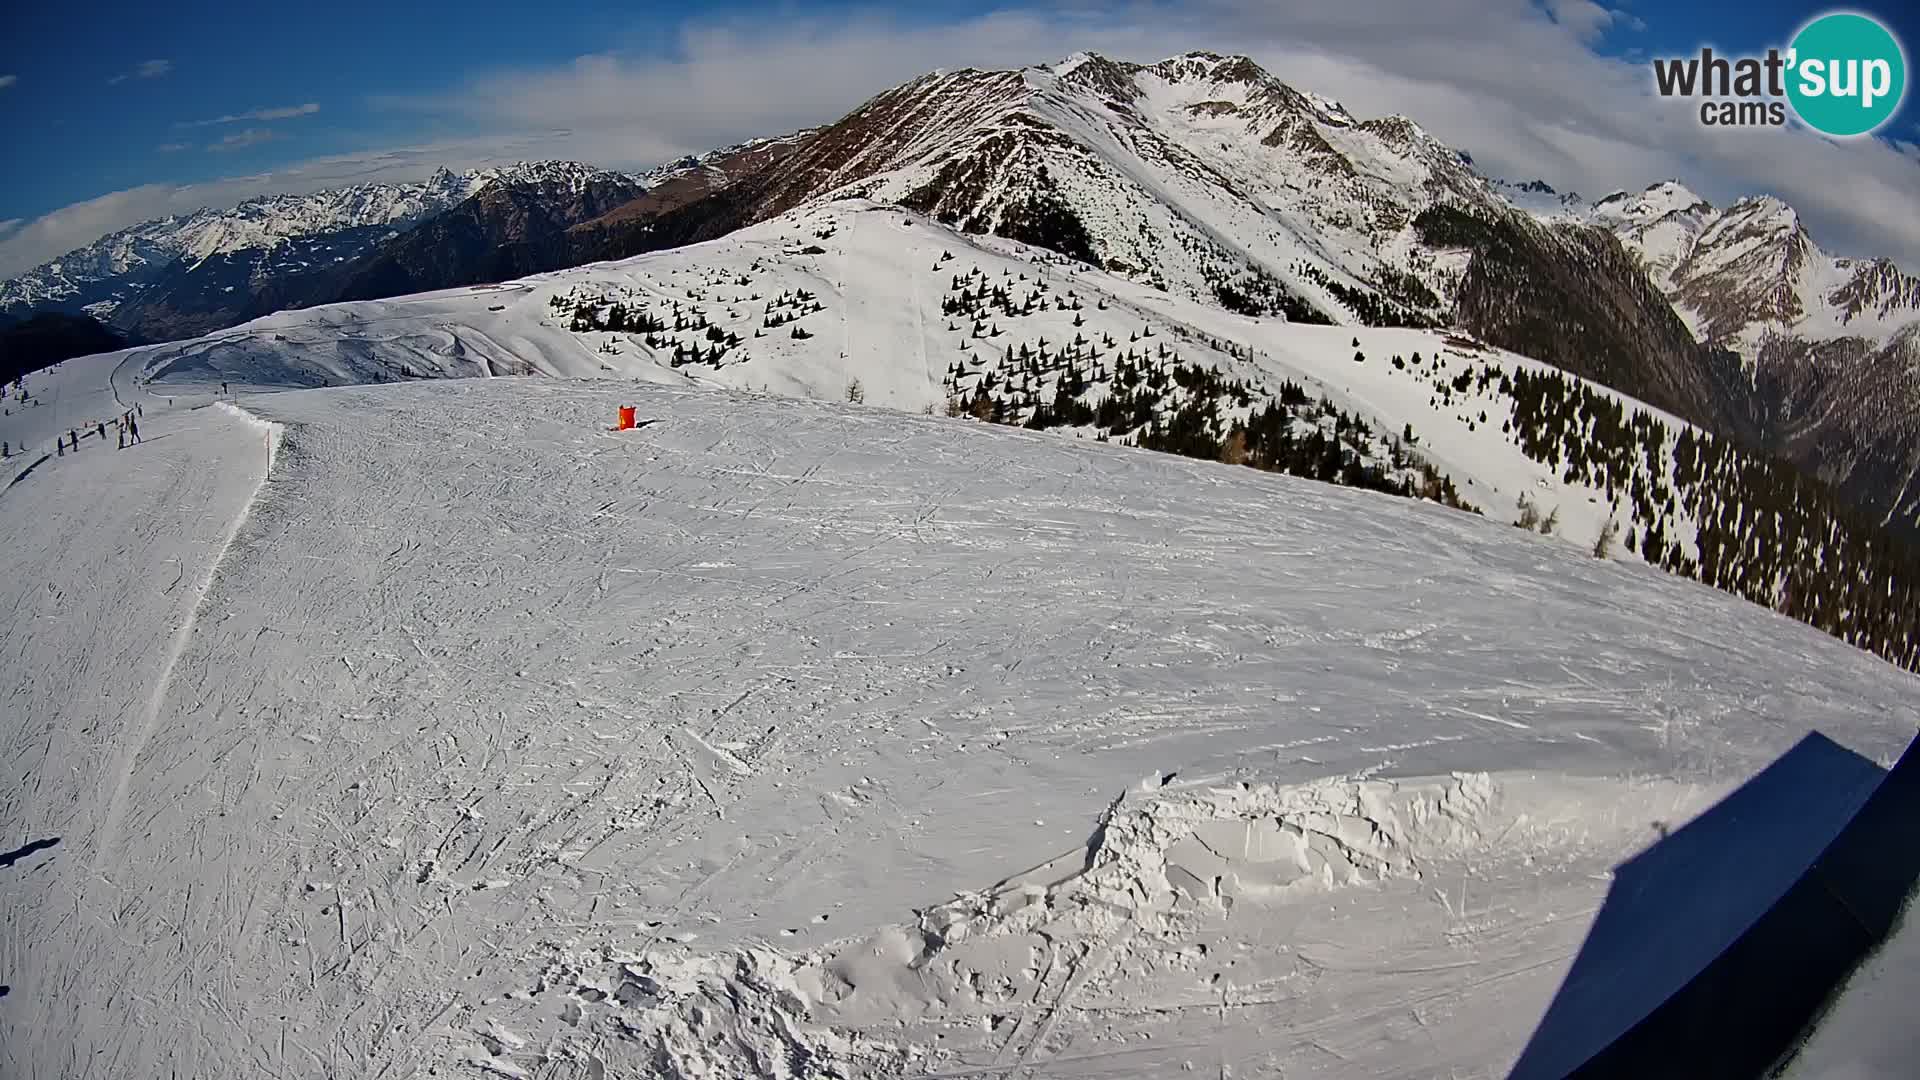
1849 74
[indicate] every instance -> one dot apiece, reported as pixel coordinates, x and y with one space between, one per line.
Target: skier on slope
133 430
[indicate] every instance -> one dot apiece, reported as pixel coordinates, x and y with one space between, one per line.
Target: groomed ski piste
434 729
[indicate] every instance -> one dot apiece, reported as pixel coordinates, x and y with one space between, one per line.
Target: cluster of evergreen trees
1704 509
1142 392
974 296
684 332
619 318
1146 395
1256 292
789 307
1445 226
1407 290
1247 289
1372 308
976 304
1045 219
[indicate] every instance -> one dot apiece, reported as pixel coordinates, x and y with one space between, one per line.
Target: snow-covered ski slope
434 729
876 284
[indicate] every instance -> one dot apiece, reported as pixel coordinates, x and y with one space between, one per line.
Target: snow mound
276 433
1161 862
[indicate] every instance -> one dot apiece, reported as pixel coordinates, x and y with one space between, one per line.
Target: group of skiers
127 425
15 389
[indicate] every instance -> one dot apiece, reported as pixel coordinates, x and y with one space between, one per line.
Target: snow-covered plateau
432 728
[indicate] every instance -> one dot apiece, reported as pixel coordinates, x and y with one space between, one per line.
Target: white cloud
1502 79
173 147
240 139
11 224
284 113
146 69
1586 19
730 79
8 80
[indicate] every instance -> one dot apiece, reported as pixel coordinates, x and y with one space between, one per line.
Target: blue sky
1749 25
81 134
138 113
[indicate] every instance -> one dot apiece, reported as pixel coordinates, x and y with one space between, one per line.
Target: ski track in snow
504 744
110 550
129 753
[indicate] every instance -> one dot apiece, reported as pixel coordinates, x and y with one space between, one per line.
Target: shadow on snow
1717 946
22 852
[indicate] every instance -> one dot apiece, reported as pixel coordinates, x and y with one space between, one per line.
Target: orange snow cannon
626 419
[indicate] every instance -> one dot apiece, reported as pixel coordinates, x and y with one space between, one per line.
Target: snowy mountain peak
1201 171
1538 197
1073 62
1672 193
1240 80
1748 272
1211 67
562 175
1763 211
1391 126
1658 201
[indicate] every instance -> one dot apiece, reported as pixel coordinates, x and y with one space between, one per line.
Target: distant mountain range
1202 175
185 275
